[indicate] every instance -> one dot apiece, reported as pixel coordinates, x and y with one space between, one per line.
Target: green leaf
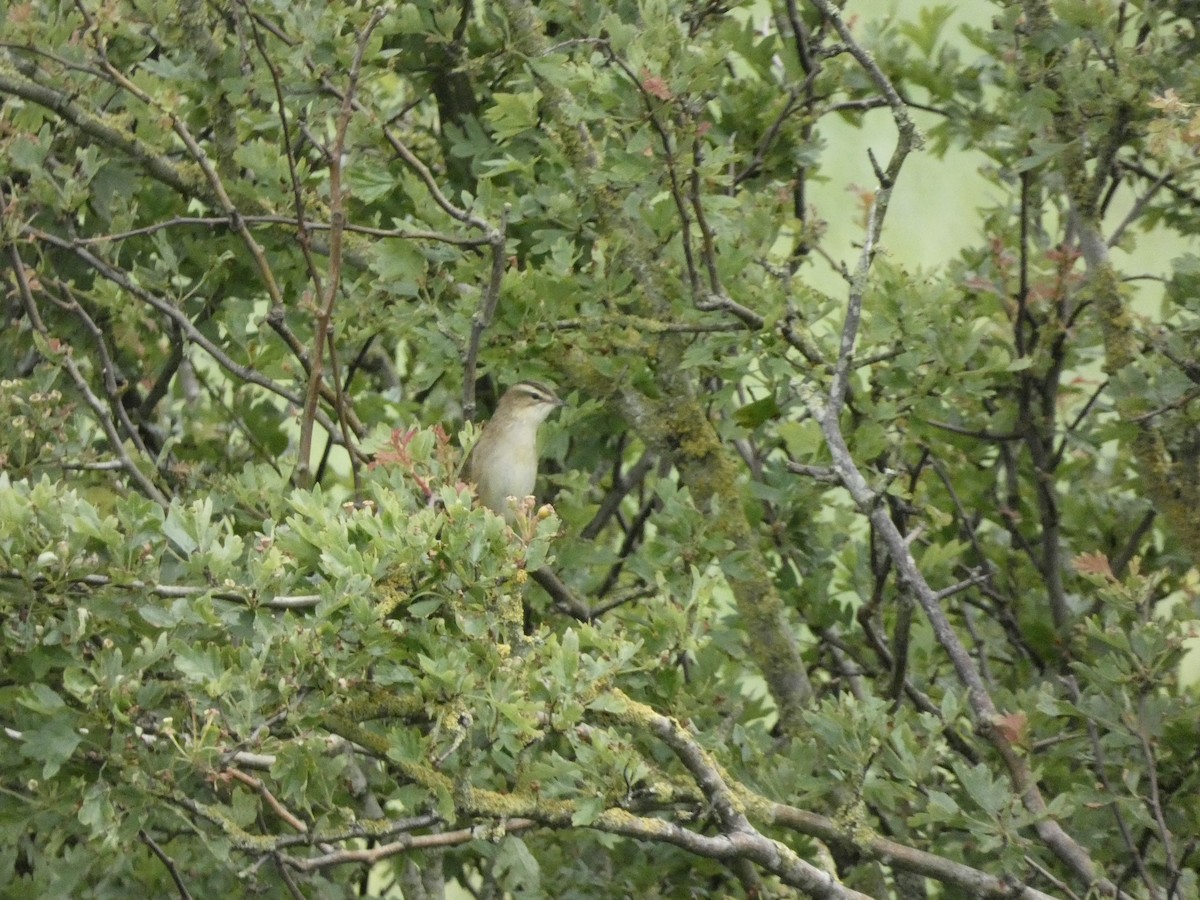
802 439
96 812
370 183
199 664
931 21
42 699
586 811
422 609
513 114
52 743
190 527
1040 153
519 864
754 414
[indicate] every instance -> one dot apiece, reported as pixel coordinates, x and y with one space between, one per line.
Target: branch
1174 488
973 882
219 197
158 851
1100 767
145 485
557 813
907 140
622 484
223 200
408 234
259 787
372 855
293 601
337 218
101 133
983 708
193 334
564 598
108 369
497 238
669 418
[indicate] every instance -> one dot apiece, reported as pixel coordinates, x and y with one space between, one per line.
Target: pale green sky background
934 212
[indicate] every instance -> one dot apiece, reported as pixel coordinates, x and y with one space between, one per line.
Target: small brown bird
504 462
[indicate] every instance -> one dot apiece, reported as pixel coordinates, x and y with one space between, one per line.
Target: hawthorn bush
858 576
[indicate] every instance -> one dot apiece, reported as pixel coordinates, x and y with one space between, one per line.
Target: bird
504 461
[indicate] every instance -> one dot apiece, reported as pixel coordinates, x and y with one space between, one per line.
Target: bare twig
973 882
179 127
337 218
716 298
622 484
260 787
654 106
108 368
221 197
92 128
648 326
293 888
564 598
293 171
1155 800
173 869
971 582
907 141
817 473
1100 767
1139 207
1122 559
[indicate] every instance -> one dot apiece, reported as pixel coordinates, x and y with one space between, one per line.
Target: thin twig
984 709
260 787
1100 767
907 140
108 368
622 484
1140 205
173 869
223 200
1155 798
337 218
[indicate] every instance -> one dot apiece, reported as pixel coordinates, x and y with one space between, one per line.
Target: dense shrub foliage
858 575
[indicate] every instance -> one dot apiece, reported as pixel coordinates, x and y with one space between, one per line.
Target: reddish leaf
1094 564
